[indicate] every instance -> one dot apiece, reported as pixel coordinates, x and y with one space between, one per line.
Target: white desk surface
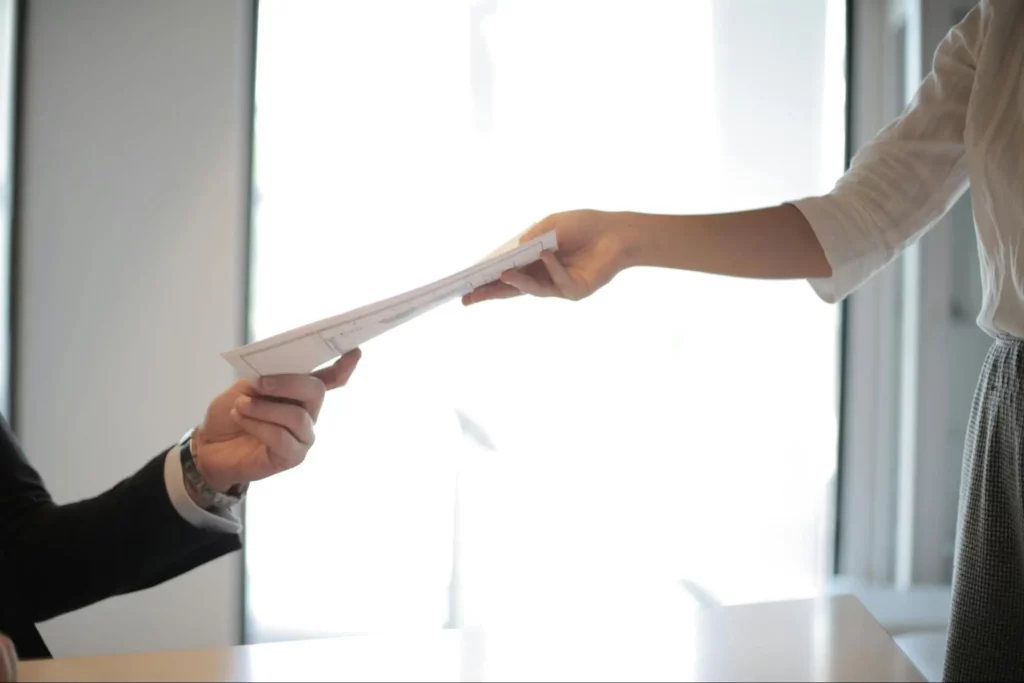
826 639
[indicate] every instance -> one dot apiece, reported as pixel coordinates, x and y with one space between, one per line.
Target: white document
306 348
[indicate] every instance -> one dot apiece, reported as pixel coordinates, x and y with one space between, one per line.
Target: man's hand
8 660
591 251
257 429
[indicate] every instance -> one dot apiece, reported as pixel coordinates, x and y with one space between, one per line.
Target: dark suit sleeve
59 558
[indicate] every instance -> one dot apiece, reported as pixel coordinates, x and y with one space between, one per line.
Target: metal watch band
213 498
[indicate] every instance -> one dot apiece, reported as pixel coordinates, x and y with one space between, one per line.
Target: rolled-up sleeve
902 182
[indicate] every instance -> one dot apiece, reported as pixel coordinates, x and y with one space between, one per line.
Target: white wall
133 196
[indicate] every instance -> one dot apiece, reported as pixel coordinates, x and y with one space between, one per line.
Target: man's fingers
304 390
294 393
338 374
492 290
292 417
277 439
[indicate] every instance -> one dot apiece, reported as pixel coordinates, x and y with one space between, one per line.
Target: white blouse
964 126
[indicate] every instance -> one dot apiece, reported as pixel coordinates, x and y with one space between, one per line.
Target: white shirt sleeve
902 182
221 520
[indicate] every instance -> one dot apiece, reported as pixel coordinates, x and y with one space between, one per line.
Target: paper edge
548 242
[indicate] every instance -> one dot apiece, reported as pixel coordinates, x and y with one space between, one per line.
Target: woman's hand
592 249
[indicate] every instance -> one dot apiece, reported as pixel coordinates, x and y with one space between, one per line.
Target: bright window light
536 461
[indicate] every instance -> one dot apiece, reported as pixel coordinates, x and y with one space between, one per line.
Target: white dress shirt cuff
220 520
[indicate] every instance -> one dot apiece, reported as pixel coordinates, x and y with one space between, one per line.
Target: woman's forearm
771 243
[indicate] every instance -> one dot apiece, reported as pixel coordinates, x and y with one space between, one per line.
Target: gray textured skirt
986 630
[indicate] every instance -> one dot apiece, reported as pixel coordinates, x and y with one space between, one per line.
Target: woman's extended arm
897 187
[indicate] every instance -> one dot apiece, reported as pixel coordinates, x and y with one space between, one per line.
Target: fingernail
243 403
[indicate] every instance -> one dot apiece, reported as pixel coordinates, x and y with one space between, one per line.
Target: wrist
203 484
201 496
631 237
656 240
213 479
203 501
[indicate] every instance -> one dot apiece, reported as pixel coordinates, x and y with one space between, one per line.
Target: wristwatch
211 498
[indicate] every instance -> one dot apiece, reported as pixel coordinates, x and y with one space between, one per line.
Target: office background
138 251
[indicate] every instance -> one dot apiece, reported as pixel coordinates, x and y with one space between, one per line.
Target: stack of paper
305 348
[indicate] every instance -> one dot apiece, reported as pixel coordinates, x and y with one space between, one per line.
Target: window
537 460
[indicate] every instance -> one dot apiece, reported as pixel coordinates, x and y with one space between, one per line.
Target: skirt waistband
1008 339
